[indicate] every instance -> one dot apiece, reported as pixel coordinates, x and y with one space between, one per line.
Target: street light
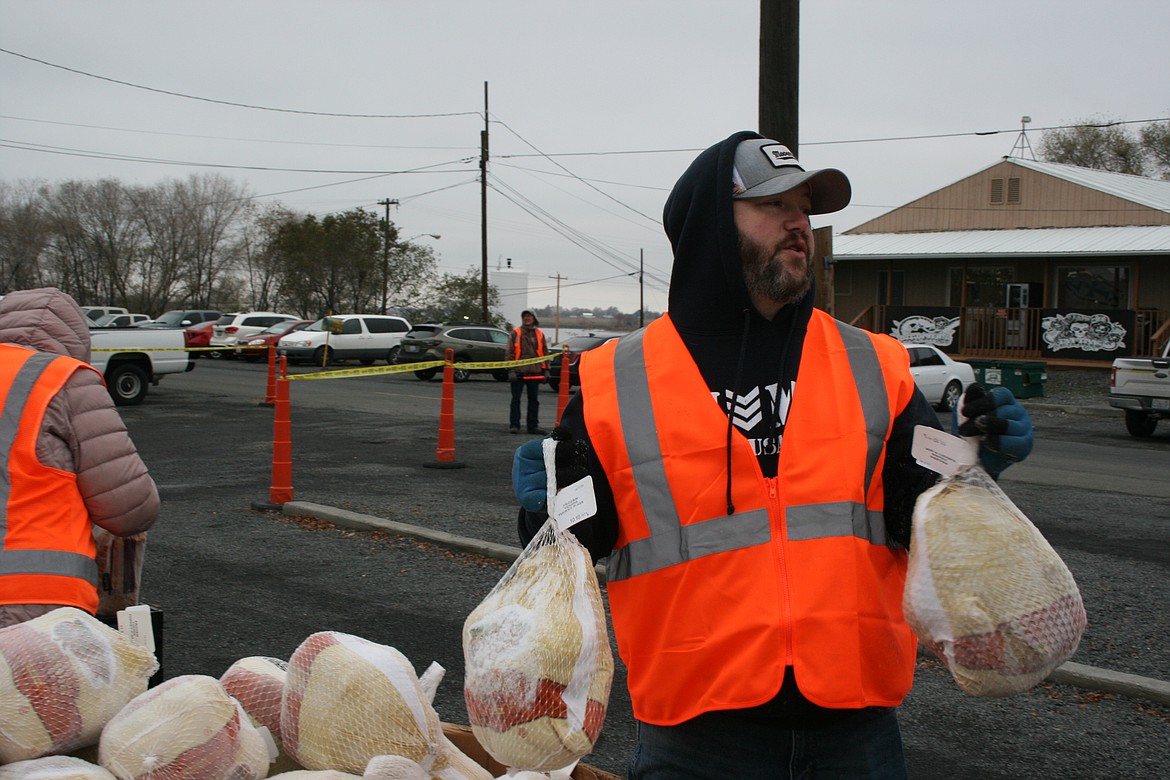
435 236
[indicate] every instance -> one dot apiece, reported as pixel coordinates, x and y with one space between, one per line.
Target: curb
1069 673
1093 411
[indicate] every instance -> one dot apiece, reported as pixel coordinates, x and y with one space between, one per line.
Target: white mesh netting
348 700
257 683
985 591
187 728
538 662
63 675
54 768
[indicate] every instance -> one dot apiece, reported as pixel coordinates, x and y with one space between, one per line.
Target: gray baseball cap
765 167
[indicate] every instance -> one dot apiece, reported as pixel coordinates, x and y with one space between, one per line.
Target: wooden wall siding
1045 201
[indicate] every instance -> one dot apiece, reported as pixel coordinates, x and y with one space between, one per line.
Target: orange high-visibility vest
541 349
708 609
48 553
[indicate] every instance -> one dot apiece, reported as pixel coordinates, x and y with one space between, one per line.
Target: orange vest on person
541 349
48 553
709 608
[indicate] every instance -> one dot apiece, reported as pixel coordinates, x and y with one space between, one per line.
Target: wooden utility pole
641 289
483 183
780 71
557 319
388 202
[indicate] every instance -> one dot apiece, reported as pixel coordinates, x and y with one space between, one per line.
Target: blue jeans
720 745
533 412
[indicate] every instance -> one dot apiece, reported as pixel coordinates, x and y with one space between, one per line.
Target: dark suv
469 343
576 345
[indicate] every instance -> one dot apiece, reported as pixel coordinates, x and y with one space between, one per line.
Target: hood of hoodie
707 292
47 320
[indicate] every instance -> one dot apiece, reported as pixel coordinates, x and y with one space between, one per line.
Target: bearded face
777 271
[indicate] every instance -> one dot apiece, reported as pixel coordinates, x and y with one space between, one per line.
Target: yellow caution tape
403 368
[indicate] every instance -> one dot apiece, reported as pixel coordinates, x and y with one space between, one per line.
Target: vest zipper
775 509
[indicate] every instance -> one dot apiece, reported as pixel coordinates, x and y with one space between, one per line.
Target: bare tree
24 235
218 209
1099 144
95 239
1155 139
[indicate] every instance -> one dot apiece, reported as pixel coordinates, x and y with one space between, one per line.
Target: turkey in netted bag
348 700
63 675
538 661
984 589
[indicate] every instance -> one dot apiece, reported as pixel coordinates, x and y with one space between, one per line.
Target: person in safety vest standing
526 341
751 461
68 460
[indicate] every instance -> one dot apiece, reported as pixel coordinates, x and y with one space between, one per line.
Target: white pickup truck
1141 386
132 359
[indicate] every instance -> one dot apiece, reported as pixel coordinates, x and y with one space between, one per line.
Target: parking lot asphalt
377 545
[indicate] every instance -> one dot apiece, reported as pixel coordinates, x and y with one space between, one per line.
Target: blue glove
529 479
1004 427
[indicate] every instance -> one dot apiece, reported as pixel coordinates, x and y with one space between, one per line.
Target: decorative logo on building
1084 332
917 329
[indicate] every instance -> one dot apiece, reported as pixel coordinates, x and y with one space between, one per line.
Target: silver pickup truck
132 359
1141 386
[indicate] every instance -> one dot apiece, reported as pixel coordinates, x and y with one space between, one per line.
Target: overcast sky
595 107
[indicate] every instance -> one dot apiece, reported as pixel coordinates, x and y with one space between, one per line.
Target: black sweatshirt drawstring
747 318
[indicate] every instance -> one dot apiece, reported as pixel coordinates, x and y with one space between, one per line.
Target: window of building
1092 287
1013 190
985 285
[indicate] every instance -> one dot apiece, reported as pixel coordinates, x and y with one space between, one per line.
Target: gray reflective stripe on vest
875 402
670 542
67 564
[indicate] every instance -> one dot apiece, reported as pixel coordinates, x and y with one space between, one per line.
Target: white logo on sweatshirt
760 414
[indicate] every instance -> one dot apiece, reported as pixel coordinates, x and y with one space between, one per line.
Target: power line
233 103
29 146
231 138
578 178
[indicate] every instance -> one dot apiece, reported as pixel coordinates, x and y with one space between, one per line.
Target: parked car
94 313
230 328
198 336
576 345
361 337
182 318
119 320
255 347
941 379
469 343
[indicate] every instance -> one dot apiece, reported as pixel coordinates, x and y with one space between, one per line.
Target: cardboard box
465 740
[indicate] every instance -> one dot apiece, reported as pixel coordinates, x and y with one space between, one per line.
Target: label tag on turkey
575 503
942 452
135 623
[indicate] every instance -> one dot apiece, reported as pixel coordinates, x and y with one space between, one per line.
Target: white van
361 337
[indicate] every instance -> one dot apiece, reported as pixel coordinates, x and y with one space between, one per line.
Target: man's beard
766 276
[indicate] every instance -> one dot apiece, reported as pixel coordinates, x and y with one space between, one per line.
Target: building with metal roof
1021 259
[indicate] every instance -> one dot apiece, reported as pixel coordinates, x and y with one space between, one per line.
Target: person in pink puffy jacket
69 463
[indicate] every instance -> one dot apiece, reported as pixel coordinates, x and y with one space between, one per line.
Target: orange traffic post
280 492
270 394
445 452
563 391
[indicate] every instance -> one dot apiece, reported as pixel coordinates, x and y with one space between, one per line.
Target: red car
198 336
256 346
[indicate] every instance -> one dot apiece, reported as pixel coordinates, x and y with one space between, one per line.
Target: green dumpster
1024 378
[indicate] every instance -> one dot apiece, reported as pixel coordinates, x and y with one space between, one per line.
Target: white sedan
940 379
